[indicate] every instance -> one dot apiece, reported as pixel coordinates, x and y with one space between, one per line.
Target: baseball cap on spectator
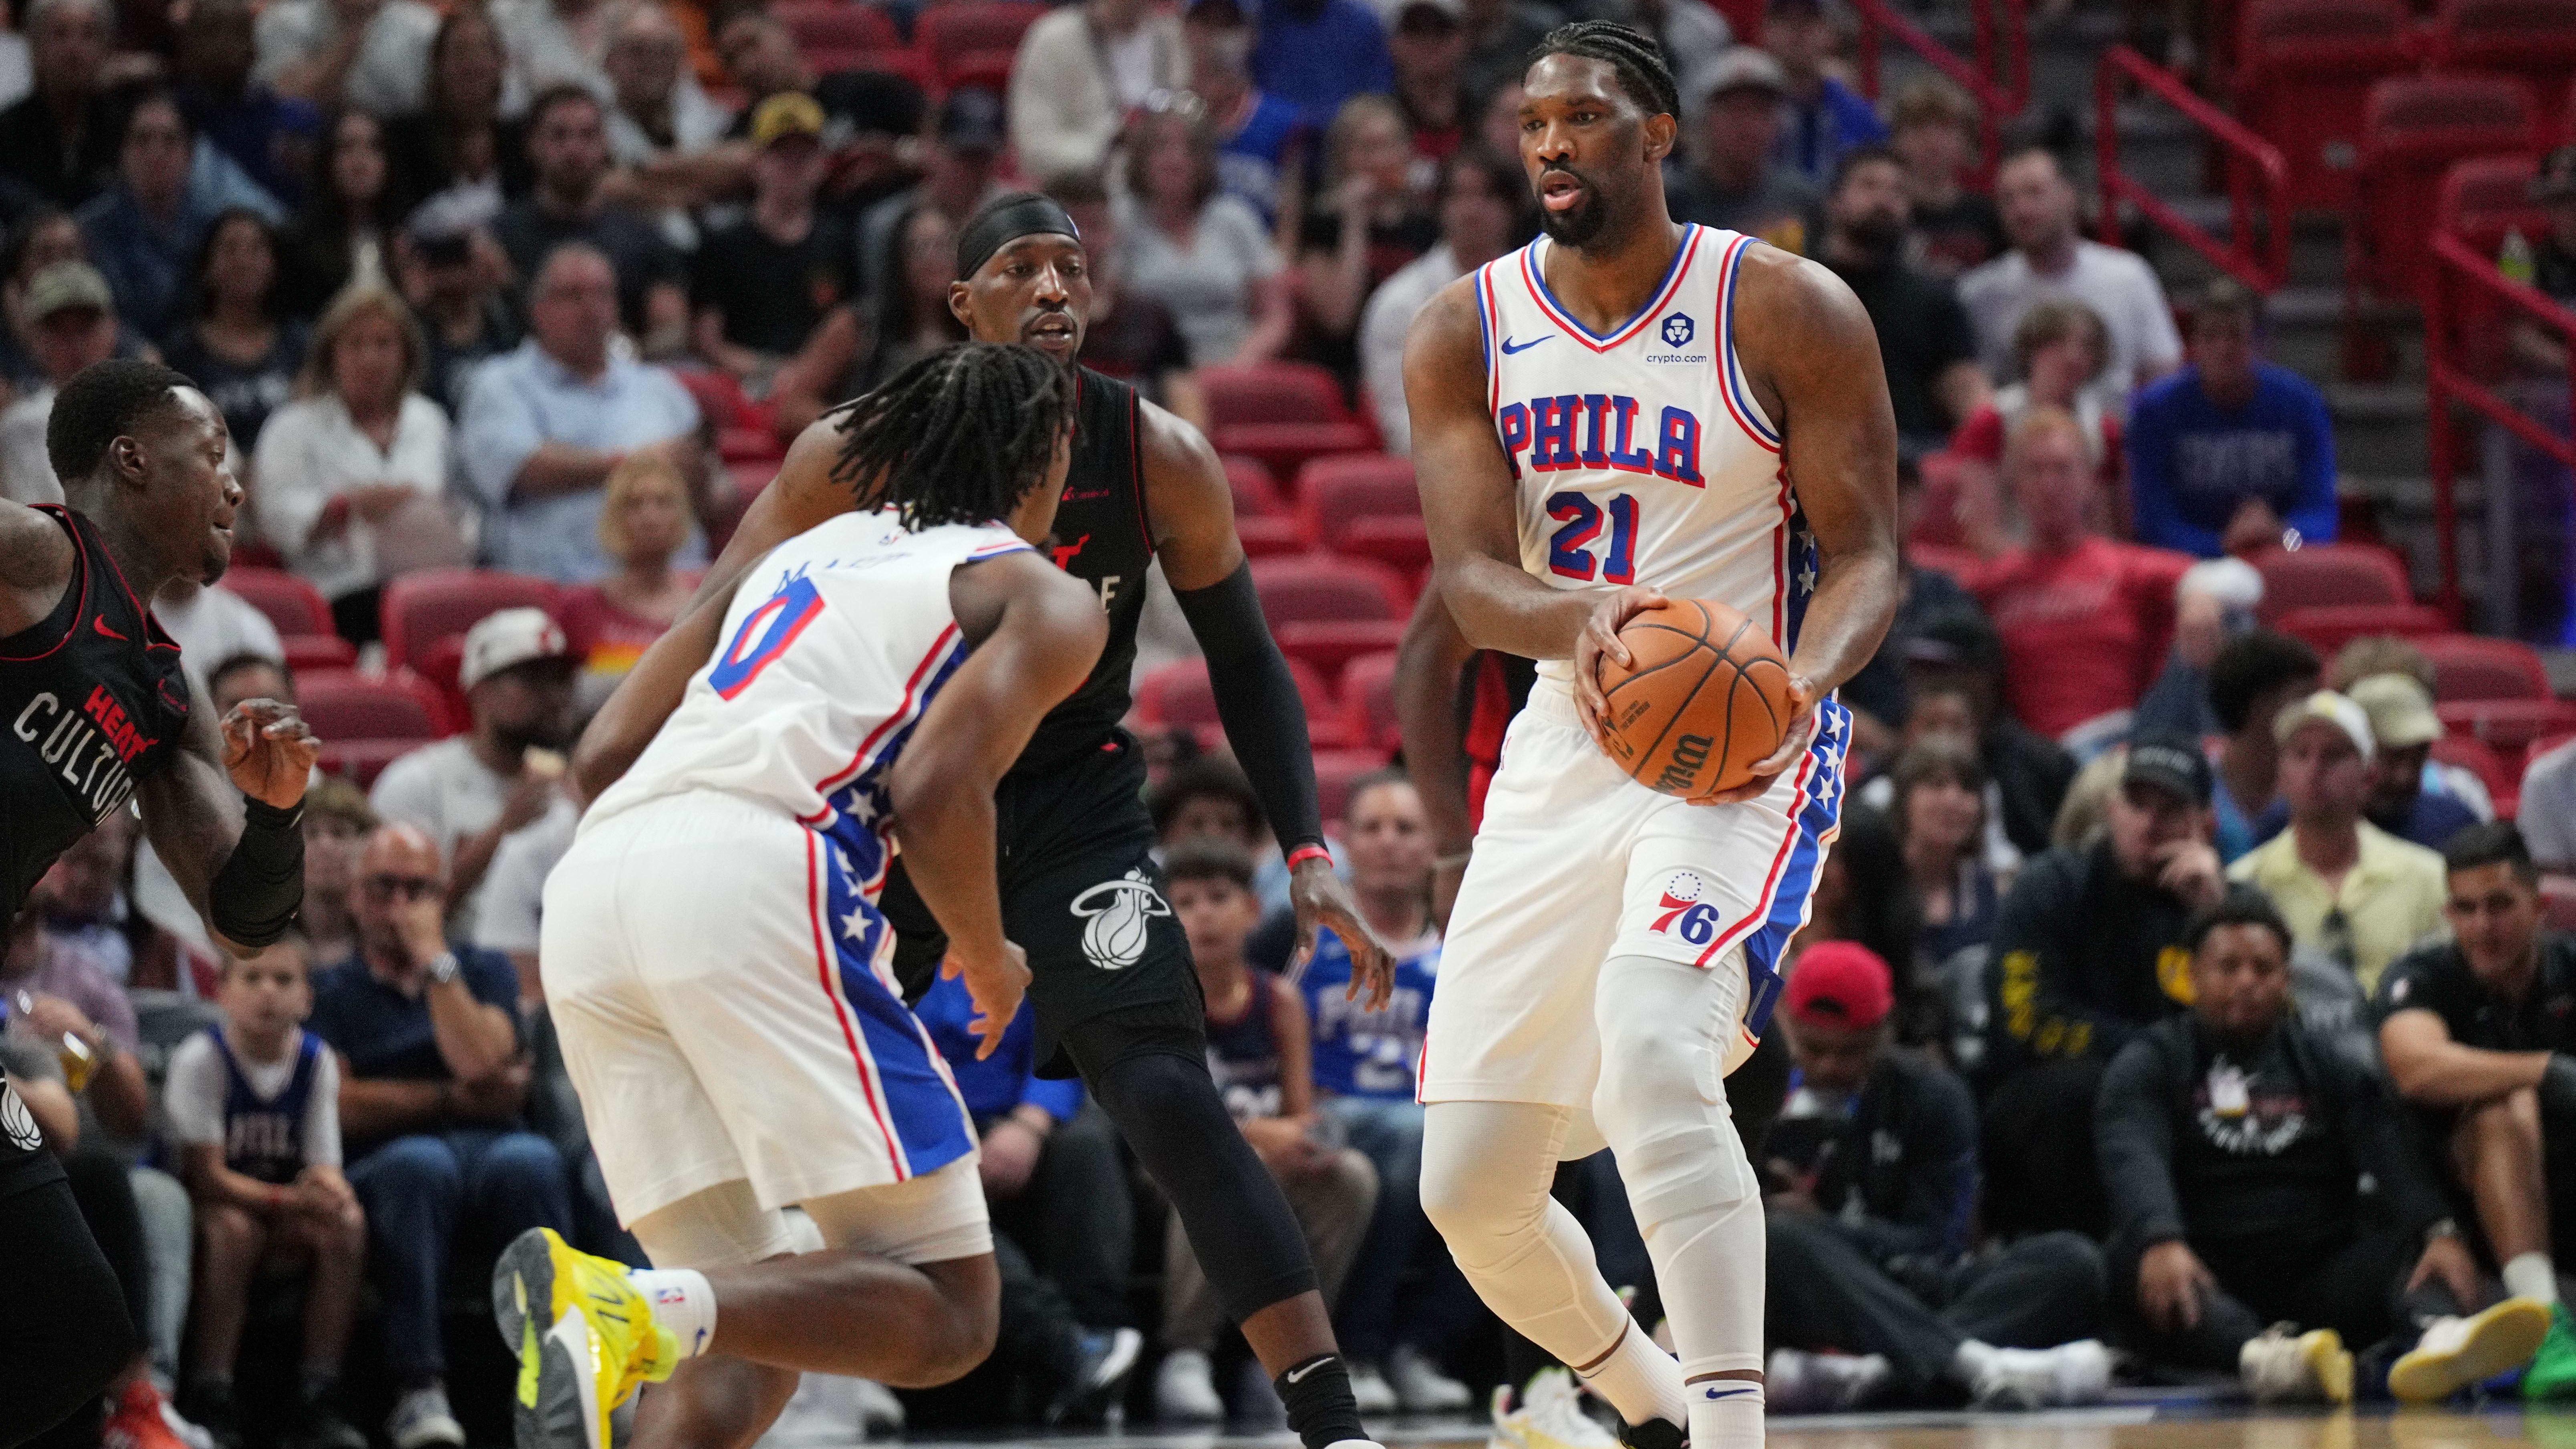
2400 711
2172 763
1958 637
507 639
1840 984
442 228
2328 708
788 113
65 285
971 120
2556 178
1741 67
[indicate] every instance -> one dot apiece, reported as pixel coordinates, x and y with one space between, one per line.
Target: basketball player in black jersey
1113 990
94 712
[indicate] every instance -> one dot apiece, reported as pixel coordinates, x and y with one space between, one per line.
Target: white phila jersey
835 645
1640 454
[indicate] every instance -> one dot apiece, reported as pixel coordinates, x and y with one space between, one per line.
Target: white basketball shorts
709 965
1574 864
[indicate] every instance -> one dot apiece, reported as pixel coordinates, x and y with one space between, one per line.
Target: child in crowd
1260 1054
253 1109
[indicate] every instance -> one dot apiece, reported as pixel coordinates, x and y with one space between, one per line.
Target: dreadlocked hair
1636 57
958 437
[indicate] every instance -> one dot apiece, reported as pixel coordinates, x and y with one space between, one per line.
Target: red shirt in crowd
605 638
2085 632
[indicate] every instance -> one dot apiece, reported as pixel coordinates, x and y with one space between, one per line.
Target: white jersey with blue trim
1640 454
835 645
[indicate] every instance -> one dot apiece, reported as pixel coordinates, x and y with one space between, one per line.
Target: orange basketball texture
1704 702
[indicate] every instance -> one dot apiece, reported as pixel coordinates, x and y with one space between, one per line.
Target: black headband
1006 221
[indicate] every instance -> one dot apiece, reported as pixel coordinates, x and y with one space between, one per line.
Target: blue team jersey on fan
1358 1052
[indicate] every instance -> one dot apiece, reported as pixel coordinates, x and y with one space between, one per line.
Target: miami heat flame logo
1114 915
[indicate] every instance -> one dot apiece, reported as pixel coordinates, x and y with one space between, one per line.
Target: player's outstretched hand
270 751
1322 898
995 987
1600 640
1793 743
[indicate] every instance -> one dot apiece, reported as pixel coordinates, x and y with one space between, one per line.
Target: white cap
508 638
2328 708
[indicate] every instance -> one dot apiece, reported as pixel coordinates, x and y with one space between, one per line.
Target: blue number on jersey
765 635
1569 551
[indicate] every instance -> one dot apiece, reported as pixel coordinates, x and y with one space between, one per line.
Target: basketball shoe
585 1338
2283 1365
2552 1374
1550 1416
2457 1352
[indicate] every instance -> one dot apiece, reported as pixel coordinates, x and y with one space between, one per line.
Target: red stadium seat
1936 513
1401 543
2483 198
837 25
1368 701
1364 505
294 606
1256 493
2414 127
2474 667
2507 725
2330 573
2544 745
2329 627
2479 758
421 608
1262 519
361 761
1958 563
2303 72
2535 39
1336 771
1283 413
364 723
308 652
971 42
1328 611
1179 696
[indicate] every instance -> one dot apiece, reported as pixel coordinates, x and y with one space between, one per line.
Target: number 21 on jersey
1569 549
765 634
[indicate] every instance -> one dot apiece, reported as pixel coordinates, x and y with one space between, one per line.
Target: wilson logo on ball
1115 915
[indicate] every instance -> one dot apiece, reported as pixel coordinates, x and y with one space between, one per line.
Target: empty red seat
1328 610
2483 198
1401 543
421 608
1179 696
307 652
1262 519
365 723
1365 505
2330 573
1368 701
1256 493
2329 627
2507 725
972 42
2535 39
2480 758
1283 413
2303 73
2558 901
2476 667
294 606
837 25
2413 128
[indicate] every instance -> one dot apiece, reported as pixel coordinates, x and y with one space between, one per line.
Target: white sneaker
1185 1390
880 1412
1796 1382
2283 1365
421 1418
1420 1386
2457 1352
1369 1389
189 1434
2044 1378
1550 1416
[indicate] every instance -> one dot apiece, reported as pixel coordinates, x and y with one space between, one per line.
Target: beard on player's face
1580 224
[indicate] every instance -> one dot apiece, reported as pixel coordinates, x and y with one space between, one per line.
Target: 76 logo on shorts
1681 911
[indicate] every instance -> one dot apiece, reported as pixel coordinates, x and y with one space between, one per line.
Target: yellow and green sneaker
2552 1374
2455 1353
585 1338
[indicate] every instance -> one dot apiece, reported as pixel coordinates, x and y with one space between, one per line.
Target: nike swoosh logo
1298 1375
101 625
1509 347
1727 1393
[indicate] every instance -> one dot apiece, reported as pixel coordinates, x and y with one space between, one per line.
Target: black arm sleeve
255 896
1256 698
2133 1140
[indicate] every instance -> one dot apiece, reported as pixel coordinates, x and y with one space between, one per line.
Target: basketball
1704 701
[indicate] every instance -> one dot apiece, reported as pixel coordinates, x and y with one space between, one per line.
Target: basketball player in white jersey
1627 410
719 969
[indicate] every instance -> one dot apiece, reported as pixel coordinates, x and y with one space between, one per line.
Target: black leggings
1152 1080
68 1331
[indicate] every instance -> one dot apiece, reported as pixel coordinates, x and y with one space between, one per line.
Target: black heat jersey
1100 538
91 700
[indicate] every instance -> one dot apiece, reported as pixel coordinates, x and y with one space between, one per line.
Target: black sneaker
319 1426
209 1406
1654 1434
1108 1356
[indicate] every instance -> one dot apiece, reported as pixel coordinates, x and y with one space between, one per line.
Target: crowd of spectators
2162 986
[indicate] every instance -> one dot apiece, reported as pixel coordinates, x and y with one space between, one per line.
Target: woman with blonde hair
353 474
644 520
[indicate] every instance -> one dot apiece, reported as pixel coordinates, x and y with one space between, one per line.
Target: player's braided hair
958 437
1634 54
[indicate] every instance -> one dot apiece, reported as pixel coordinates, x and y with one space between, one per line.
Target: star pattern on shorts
1803 543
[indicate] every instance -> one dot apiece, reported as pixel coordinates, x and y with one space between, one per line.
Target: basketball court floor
2184 1422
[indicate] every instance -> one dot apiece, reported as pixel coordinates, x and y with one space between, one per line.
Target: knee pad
1662 1104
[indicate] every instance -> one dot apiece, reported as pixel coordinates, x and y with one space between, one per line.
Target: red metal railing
2447 379
2251 161
1999 78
